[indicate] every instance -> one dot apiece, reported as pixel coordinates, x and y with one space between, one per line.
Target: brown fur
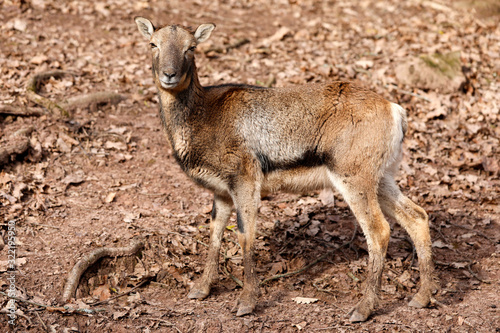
242 141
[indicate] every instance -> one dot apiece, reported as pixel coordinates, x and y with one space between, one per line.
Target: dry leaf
326 197
102 292
118 145
304 300
75 179
278 35
130 217
441 245
300 325
110 197
289 211
277 267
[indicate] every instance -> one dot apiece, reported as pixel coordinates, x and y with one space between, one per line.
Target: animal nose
169 75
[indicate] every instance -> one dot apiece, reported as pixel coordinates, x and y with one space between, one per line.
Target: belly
297 180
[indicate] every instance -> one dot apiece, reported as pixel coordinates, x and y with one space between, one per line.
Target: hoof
419 301
245 308
198 293
357 317
362 310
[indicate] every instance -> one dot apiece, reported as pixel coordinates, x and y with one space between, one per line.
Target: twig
234 278
225 48
162 231
327 254
63 309
279 276
469 268
91 258
479 233
393 279
43 324
146 280
331 328
45 225
166 322
406 92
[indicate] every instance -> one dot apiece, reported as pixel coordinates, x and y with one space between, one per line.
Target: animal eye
192 48
153 45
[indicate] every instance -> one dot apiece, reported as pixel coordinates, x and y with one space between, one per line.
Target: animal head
172 49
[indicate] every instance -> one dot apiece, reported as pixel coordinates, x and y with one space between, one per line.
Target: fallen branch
13 149
19 145
11 110
83 264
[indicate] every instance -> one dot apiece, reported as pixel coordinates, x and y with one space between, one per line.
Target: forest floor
102 174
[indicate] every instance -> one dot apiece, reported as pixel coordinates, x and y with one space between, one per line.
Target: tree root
92 99
18 143
88 260
63 107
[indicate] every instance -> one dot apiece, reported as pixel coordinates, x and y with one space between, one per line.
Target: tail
395 145
399 115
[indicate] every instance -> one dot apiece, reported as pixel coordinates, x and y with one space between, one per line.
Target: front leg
246 200
221 212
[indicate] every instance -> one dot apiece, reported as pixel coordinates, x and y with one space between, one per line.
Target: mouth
169 85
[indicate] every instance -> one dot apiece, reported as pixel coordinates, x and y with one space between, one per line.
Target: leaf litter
106 174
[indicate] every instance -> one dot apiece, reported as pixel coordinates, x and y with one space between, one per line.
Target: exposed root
35 82
92 100
63 107
18 143
88 260
33 86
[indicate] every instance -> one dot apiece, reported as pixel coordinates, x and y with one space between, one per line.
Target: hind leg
361 195
414 220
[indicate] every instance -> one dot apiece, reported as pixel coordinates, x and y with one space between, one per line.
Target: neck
187 96
179 104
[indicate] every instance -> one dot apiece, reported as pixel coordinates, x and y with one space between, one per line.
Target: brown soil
105 175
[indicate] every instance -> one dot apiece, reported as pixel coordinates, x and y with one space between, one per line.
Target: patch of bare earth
103 175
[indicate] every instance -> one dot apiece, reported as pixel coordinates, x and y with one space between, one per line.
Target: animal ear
203 32
145 26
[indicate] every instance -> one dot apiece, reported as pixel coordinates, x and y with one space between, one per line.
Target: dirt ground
103 174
